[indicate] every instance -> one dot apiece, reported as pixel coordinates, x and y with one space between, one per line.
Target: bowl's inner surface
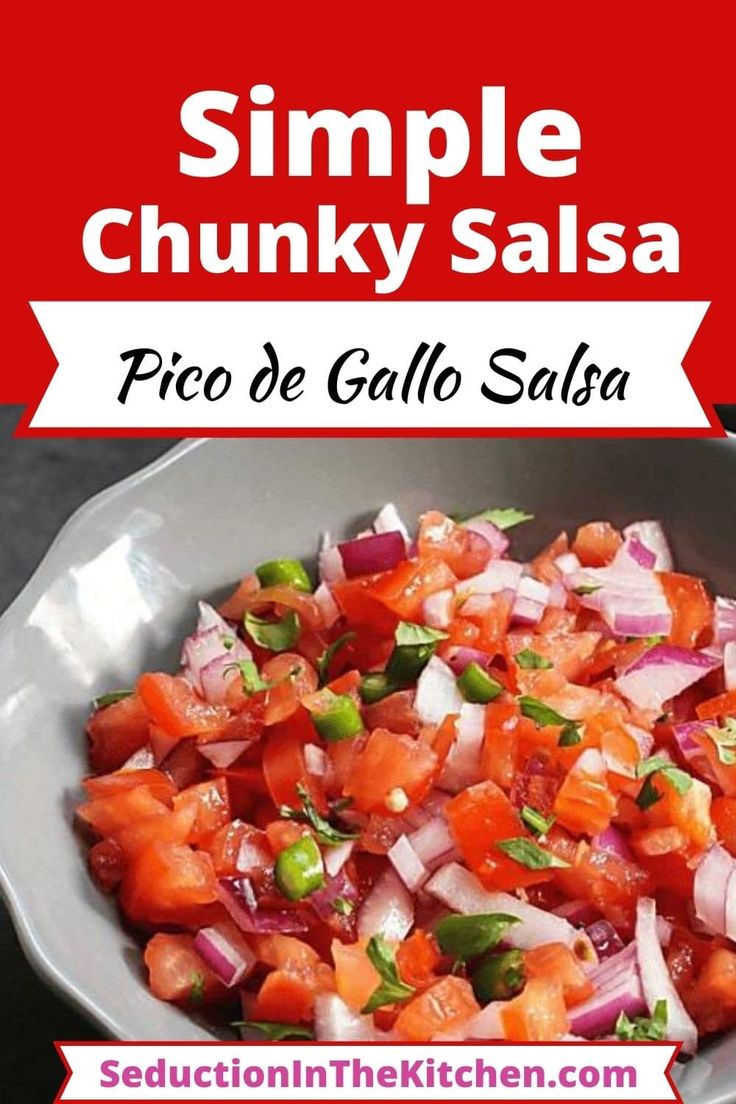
116 593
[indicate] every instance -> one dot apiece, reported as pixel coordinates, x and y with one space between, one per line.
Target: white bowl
116 592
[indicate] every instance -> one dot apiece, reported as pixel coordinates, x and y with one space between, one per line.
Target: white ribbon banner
324 1072
369 365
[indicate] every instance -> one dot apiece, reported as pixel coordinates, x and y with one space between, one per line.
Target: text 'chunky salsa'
444 794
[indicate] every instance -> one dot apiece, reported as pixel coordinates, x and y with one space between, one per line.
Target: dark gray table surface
41 483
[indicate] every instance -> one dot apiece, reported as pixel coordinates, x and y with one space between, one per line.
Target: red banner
645 92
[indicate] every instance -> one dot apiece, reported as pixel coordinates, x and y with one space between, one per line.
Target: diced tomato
356 978
173 705
464 552
609 656
115 732
284 998
287 995
417 959
692 609
390 761
155 781
584 803
555 962
723 812
176 972
443 1007
285 597
688 811
282 833
479 817
537 1015
537 783
292 678
596 543
245 786
235 840
360 607
173 827
169 884
109 814
722 706
284 766
404 588
443 737
235 606
712 1001
570 652
106 864
612 884
211 805
395 712
652 842
500 756
543 565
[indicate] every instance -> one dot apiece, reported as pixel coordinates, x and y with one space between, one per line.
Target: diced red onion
376 552
497 576
437 693
639 552
567 563
337 1022
531 601
336 857
459 656
388 909
710 889
209 618
729 665
253 855
655 978
579 913
438 609
613 840
605 939
461 891
644 739
217 675
226 953
731 907
323 900
462 766
236 894
557 595
724 620
486 1025
407 864
628 597
494 537
618 989
223 753
329 562
433 842
328 607
315 760
652 536
661 673
691 749
389 520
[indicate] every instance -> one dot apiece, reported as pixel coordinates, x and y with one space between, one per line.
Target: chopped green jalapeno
414 647
498 977
374 687
299 869
337 718
284 573
476 685
469 936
